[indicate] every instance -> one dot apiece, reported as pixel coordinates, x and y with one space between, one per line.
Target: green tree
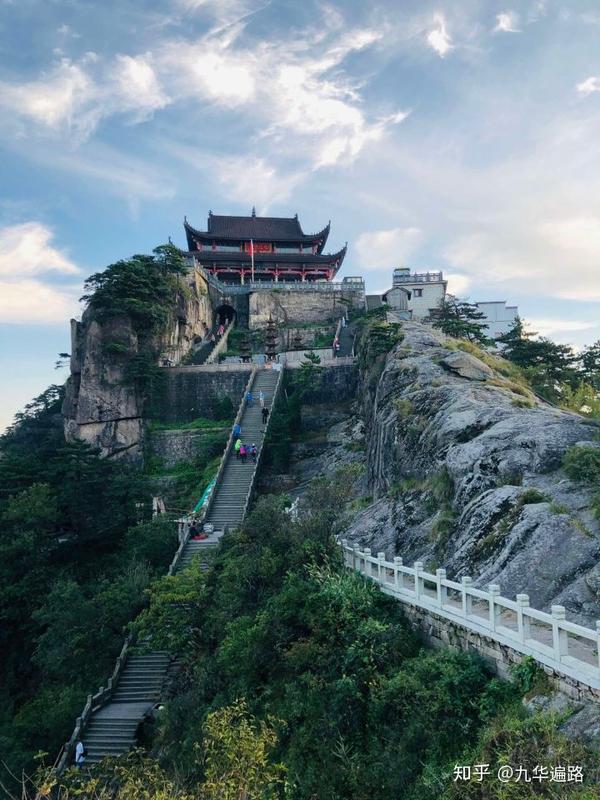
546 364
236 751
461 320
589 361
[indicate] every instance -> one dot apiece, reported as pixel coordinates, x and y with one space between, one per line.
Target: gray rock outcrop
102 406
464 465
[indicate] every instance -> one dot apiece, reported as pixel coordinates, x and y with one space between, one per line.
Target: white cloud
557 257
545 326
31 301
254 181
293 92
439 38
386 248
507 22
458 284
589 85
26 249
137 86
64 97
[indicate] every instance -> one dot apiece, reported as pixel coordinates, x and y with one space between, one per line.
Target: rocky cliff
103 407
464 467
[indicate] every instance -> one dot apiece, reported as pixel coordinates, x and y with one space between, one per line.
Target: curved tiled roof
274 229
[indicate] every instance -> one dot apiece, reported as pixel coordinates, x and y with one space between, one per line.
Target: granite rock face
101 405
464 466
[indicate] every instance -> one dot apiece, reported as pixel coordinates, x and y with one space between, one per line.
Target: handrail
284 286
571 649
250 491
93 703
220 345
186 533
101 698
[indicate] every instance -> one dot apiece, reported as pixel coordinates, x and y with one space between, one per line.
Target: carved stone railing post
493 591
368 567
398 575
560 641
356 558
522 619
380 567
440 575
418 569
467 582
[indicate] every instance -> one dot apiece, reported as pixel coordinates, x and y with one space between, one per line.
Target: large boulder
465 469
467 366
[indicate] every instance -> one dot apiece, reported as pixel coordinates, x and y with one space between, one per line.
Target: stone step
112 730
100 740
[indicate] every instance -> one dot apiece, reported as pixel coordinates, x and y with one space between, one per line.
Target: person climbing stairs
229 502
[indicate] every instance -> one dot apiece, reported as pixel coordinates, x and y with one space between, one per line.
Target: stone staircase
112 729
229 502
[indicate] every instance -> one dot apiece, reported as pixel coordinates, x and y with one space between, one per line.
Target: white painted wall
499 317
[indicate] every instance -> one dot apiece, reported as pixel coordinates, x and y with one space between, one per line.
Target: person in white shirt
79 754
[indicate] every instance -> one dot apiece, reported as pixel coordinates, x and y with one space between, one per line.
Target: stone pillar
399 576
494 591
418 569
380 567
522 619
467 582
368 568
440 575
356 558
560 641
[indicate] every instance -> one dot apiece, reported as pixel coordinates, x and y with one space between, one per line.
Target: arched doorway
224 314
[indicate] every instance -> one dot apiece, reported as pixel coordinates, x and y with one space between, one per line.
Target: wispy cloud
507 22
27 249
438 38
589 85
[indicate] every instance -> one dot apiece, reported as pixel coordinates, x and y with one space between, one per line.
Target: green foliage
584 399
460 320
518 740
376 338
236 751
198 424
549 367
582 463
74 563
141 288
531 496
364 712
173 604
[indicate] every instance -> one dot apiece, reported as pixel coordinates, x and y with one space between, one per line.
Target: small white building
426 289
499 318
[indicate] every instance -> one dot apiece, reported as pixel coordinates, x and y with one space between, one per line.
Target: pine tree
461 320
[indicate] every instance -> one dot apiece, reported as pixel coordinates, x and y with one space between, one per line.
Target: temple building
262 249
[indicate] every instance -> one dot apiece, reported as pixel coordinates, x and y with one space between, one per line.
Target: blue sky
460 136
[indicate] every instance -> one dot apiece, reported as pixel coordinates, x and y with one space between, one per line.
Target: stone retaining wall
440 632
176 446
189 392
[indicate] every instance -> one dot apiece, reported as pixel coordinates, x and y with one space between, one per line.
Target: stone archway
224 314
